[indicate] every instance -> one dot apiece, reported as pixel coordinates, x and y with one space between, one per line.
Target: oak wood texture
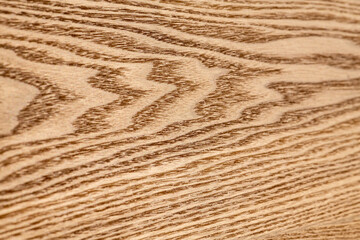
176 119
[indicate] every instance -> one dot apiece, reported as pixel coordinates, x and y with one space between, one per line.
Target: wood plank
174 119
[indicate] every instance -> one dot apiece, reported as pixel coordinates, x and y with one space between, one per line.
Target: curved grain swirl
172 119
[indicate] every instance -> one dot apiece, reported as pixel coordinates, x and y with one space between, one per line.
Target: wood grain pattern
174 119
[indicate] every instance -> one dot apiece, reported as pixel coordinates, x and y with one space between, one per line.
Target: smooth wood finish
176 119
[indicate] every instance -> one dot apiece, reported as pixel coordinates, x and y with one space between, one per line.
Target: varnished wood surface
176 119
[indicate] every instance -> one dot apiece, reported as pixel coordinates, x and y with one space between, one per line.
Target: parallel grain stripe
229 119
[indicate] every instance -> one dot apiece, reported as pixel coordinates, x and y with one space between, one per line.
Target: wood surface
179 119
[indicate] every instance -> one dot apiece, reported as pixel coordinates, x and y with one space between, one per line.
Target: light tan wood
176 119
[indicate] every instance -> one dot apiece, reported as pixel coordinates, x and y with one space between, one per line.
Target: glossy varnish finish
174 119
